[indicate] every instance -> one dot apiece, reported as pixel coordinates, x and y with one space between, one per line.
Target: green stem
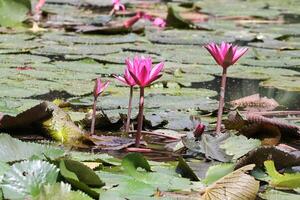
129 110
140 118
221 102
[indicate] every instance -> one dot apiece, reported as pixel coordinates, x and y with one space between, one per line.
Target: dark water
238 88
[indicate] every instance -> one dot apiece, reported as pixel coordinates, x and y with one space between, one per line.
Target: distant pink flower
159 22
131 21
226 54
99 87
141 70
39 5
118 5
199 129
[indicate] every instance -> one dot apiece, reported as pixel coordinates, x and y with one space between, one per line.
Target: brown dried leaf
282 157
254 125
255 103
237 185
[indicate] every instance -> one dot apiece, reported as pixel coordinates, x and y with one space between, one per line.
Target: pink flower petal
121 79
156 70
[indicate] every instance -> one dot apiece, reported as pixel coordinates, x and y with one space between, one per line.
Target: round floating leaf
12 149
132 161
13 12
80 177
216 172
25 179
237 146
61 191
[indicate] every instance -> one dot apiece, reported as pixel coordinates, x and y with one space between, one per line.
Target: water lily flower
159 22
129 81
199 129
141 70
131 21
225 55
117 6
98 89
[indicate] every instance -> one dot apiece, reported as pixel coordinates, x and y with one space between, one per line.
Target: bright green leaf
216 172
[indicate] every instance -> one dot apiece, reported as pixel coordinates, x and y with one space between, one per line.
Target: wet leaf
236 185
210 146
282 157
278 180
13 12
216 172
238 146
278 195
76 177
26 179
12 150
61 191
255 103
184 169
132 161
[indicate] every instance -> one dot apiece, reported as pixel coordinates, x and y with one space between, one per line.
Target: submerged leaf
235 186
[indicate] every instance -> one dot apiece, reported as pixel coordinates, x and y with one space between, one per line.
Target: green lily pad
13 12
61 191
26 179
13 150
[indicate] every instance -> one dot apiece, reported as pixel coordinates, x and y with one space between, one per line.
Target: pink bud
199 130
99 87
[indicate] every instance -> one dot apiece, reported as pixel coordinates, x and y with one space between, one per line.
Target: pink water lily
159 22
98 89
117 6
141 70
225 55
129 81
127 78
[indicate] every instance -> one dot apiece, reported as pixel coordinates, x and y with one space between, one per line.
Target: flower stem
140 118
93 116
129 110
221 102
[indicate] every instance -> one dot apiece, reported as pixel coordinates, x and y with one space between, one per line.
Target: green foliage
13 12
60 191
285 180
184 169
26 179
132 161
278 195
80 177
239 145
12 149
216 172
